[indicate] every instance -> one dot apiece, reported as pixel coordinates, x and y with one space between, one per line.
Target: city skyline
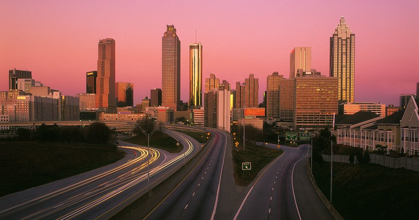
267 44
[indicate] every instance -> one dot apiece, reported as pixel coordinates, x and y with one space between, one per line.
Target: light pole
148 150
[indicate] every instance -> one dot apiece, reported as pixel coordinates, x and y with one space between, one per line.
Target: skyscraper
170 68
240 95
251 91
15 74
155 95
105 80
211 83
300 60
342 61
286 99
124 94
272 95
195 75
91 82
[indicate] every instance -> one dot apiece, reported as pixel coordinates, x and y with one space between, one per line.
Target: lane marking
186 206
193 194
292 185
219 181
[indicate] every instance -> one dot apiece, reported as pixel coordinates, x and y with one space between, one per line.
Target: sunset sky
57 41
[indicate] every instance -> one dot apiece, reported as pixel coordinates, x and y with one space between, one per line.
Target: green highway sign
291 135
304 136
247 166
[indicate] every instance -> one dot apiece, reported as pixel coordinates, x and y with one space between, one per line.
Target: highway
98 193
196 197
274 194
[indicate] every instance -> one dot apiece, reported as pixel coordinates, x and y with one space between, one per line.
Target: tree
366 157
23 133
97 133
351 158
147 124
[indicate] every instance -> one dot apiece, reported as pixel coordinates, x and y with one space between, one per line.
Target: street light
148 149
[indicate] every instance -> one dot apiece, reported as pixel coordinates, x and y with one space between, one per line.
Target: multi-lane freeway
99 193
281 191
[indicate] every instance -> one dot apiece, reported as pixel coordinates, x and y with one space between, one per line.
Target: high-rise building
124 94
272 95
211 83
195 75
105 80
224 86
316 100
91 82
86 101
223 110
342 61
286 100
15 74
300 60
145 103
25 84
210 110
155 95
170 68
391 109
240 94
232 99
251 91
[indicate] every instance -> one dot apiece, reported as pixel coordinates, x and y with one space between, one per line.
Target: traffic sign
247 166
291 135
304 136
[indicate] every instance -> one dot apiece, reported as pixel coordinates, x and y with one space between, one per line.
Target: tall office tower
15 74
155 95
105 81
210 110
300 60
91 82
224 86
171 69
223 110
211 83
232 99
195 75
124 94
240 94
316 100
342 61
251 91
272 95
25 84
286 100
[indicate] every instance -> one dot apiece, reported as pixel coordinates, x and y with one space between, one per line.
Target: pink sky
57 41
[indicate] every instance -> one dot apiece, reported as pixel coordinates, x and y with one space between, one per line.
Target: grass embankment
257 155
369 191
158 140
28 164
201 137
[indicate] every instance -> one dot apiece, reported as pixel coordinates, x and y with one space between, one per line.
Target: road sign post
247 166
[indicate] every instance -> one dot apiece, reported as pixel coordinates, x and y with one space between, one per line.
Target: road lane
195 196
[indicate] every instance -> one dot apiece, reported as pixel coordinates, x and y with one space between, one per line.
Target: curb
326 202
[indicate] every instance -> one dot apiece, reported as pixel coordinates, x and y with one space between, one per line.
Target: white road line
241 206
271 198
292 185
269 210
186 206
193 194
199 184
219 181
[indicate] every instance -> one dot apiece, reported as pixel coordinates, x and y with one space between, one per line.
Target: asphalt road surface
96 193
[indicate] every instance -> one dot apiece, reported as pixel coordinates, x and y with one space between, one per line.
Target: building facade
342 61
272 95
195 75
171 68
91 81
15 74
124 94
377 108
87 101
211 83
156 97
105 80
316 101
300 60
251 91
286 100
